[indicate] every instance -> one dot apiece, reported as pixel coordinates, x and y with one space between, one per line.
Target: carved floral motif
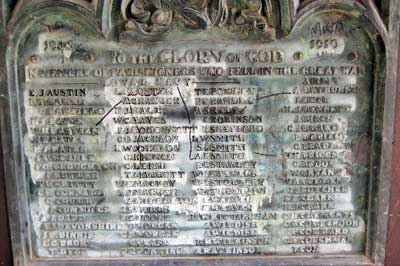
154 17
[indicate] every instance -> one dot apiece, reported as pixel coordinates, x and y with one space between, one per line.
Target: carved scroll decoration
155 17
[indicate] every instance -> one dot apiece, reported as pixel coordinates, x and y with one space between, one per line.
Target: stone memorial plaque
195 129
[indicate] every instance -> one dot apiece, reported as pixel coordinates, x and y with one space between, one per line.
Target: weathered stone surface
203 131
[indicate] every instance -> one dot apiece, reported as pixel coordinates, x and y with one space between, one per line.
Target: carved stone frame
104 17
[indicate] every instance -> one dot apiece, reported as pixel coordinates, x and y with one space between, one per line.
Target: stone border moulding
107 21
